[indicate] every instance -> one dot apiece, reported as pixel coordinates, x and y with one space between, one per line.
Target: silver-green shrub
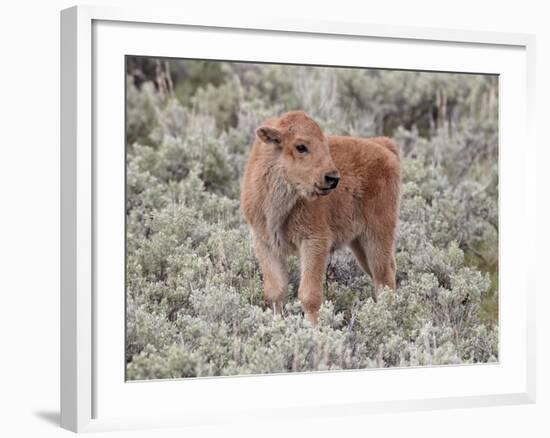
194 289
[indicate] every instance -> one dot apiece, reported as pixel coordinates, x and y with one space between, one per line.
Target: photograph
229 219
285 218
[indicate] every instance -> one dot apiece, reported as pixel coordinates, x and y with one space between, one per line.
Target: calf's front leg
275 274
313 261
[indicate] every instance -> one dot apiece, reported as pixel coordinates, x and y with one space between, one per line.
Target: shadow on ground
51 417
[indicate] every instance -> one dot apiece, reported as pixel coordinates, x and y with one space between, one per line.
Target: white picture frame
93 397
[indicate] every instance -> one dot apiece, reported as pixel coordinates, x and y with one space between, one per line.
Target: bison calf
309 193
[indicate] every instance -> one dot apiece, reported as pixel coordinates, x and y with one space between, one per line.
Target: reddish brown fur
282 201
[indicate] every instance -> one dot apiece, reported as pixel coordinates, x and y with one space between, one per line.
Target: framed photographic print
261 208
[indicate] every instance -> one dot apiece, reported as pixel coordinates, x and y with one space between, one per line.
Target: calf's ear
269 135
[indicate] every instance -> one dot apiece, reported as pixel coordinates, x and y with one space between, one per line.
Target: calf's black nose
332 178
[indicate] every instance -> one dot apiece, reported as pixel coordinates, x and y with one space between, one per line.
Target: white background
29 217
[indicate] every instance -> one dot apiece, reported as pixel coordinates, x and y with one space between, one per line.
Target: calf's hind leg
379 251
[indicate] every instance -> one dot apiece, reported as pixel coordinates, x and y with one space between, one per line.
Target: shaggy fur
290 207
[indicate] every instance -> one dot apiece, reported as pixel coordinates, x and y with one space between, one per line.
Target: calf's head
302 150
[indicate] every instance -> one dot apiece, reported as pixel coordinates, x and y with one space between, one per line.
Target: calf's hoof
275 306
312 317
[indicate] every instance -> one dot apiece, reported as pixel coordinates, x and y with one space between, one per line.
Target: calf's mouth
323 191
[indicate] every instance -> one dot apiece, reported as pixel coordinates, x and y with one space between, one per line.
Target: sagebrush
194 291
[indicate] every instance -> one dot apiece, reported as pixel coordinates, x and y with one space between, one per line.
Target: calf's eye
301 148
